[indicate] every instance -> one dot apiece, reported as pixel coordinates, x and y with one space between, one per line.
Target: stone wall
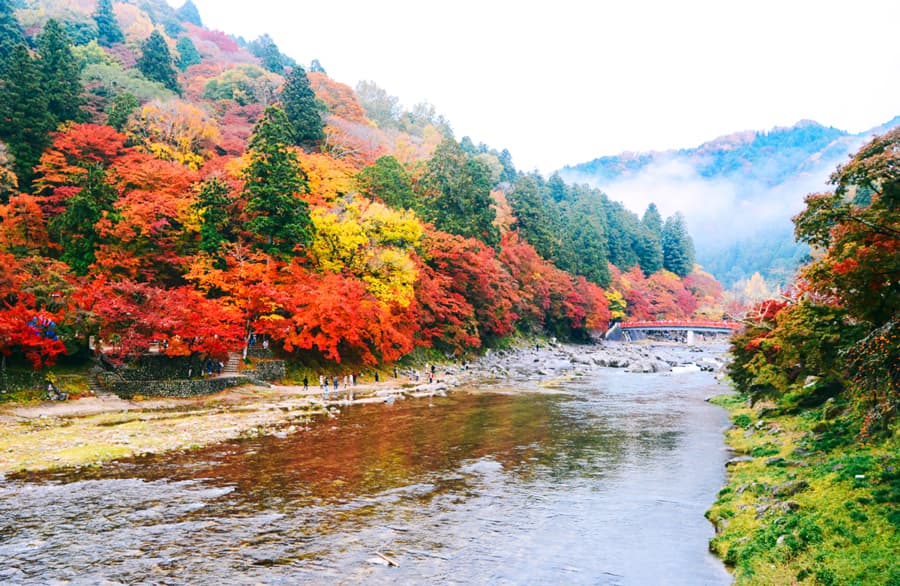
268 370
128 389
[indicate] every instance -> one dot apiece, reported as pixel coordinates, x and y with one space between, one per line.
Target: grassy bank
807 501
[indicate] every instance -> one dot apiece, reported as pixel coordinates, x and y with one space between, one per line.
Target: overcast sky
565 81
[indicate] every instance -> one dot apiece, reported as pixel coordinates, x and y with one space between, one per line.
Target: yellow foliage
371 241
174 131
617 304
134 22
328 178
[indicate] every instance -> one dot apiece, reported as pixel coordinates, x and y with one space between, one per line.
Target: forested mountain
160 181
738 192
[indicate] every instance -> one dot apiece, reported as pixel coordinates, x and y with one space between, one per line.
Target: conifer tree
25 120
678 247
10 33
155 62
268 52
108 31
458 194
59 73
189 13
272 180
388 181
302 109
649 241
213 202
187 53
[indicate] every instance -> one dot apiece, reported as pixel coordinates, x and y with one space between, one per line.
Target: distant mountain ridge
738 191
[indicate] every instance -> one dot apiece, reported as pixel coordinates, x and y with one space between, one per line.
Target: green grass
842 528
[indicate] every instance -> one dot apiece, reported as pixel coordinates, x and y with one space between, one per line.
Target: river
603 479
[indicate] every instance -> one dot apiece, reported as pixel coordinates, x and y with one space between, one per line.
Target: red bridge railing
706 324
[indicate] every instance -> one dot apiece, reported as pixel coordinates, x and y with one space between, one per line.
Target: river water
603 480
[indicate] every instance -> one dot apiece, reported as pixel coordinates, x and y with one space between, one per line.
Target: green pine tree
303 109
11 34
388 181
187 53
108 31
213 203
678 247
649 241
25 118
272 180
189 13
537 216
457 192
60 73
155 62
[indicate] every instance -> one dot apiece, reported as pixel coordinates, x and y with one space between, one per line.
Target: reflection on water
604 484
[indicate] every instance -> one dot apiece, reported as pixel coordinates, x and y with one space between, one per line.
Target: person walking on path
305 383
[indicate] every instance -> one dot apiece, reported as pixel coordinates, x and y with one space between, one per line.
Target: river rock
738 460
789 488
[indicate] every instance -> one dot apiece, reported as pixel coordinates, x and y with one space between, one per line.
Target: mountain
738 192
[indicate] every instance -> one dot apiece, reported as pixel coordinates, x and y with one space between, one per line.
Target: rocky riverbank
91 431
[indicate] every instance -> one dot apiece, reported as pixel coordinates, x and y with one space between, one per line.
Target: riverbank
94 430
807 501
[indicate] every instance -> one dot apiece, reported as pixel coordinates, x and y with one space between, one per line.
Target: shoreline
94 430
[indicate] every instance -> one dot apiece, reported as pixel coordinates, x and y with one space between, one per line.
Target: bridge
692 327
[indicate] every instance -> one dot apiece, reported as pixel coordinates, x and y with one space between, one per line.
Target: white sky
565 81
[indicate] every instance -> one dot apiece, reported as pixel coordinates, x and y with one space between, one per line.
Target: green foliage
272 58
457 194
273 180
60 74
538 217
75 228
25 117
108 31
245 84
108 80
303 109
187 53
11 34
189 13
213 203
677 246
156 64
388 181
120 109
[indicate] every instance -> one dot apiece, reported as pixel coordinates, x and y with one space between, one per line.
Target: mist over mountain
738 192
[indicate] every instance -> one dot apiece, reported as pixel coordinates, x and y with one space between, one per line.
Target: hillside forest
161 182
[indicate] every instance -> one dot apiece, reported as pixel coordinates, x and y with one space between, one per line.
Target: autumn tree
108 31
156 63
272 182
303 109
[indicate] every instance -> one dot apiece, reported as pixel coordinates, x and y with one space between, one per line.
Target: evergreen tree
302 109
60 74
649 242
121 107
272 180
187 53
213 203
557 188
537 217
189 13
388 181
11 33
108 31
678 247
458 194
75 228
509 173
25 119
267 51
316 67
587 241
155 62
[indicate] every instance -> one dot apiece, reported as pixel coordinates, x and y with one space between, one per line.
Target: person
334 382
266 344
305 383
376 376
395 372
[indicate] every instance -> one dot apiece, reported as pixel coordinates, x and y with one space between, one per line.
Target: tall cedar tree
268 52
60 73
388 181
458 194
272 180
213 204
189 13
649 243
187 53
25 119
536 215
155 62
108 31
678 247
11 33
302 109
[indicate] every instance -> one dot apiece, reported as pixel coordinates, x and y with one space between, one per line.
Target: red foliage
339 98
